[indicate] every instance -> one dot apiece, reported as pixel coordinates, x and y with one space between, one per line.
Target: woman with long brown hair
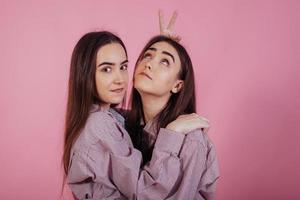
99 159
164 89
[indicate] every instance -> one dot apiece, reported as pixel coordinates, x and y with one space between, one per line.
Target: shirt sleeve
87 183
196 172
157 178
208 183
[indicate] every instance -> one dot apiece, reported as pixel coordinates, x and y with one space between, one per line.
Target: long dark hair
183 102
82 91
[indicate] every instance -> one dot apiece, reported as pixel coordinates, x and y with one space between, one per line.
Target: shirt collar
96 107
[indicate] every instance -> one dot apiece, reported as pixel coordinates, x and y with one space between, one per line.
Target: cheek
135 74
99 86
136 71
166 78
139 67
125 77
102 82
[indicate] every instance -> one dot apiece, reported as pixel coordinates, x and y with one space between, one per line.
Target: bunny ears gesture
168 31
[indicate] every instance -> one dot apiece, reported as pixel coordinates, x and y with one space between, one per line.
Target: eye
106 69
165 62
124 67
147 56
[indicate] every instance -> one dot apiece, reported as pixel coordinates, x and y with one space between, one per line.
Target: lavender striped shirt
199 170
104 164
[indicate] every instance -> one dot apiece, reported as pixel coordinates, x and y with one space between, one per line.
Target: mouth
118 90
144 74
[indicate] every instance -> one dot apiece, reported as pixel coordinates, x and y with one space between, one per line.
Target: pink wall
246 57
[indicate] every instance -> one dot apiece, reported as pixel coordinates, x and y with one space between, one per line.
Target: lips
145 74
118 90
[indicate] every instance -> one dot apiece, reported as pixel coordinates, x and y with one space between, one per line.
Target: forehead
164 46
113 52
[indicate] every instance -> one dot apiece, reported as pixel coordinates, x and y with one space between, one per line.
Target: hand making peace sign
168 31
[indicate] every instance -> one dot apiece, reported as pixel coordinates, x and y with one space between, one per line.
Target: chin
146 90
142 87
116 101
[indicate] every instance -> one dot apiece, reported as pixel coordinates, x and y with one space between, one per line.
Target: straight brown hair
82 91
183 102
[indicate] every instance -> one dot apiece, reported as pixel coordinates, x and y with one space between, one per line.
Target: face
157 72
111 74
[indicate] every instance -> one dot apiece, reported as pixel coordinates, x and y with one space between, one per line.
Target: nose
148 65
119 77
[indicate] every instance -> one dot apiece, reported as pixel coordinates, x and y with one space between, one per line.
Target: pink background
246 58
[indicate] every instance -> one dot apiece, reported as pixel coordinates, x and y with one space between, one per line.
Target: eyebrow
167 53
164 52
152 49
109 63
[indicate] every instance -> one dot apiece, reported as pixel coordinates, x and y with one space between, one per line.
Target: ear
177 86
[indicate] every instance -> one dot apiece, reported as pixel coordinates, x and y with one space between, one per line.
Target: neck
104 106
153 105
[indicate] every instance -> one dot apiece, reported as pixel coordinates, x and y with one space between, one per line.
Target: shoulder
198 143
201 137
101 135
98 115
99 122
195 135
96 128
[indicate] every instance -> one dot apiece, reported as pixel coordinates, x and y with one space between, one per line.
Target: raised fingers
161 22
172 21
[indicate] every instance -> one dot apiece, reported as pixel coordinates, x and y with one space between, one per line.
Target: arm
110 167
159 176
156 179
208 183
200 170
86 182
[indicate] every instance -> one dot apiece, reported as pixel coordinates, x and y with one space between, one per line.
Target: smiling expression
111 74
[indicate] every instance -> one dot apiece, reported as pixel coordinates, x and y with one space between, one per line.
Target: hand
168 31
189 122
